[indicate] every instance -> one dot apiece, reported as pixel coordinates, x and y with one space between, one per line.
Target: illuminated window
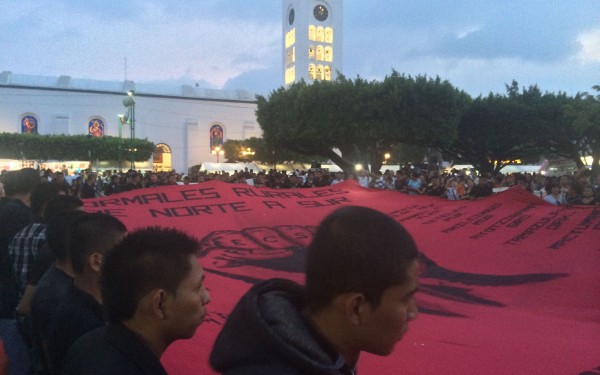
320 53
290 38
216 136
311 72
320 34
29 124
96 127
328 54
311 52
312 32
328 73
290 75
328 35
290 56
159 150
319 72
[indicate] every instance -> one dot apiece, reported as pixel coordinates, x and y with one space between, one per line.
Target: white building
312 40
186 122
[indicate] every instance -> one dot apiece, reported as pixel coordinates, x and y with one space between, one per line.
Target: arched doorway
162 158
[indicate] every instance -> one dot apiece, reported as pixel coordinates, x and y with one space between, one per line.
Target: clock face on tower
291 16
321 12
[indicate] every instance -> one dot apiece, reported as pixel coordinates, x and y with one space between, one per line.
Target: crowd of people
82 295
572 189
61 277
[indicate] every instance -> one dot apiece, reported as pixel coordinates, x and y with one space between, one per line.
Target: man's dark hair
357 249
94 232
58 231
146 259
41 195
27 180
61 204
11 183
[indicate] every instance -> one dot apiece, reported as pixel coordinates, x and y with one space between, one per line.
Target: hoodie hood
266 330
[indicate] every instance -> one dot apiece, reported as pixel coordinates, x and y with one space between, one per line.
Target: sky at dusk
479 46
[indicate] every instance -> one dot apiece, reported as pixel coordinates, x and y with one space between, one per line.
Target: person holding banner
361 279
153 293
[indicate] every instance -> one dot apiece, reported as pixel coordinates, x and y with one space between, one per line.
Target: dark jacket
267 333
77 313
111 350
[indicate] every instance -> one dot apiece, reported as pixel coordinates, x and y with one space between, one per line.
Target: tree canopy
366 119
586 126
363 119
72 147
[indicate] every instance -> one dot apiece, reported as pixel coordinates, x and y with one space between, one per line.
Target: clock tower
312 40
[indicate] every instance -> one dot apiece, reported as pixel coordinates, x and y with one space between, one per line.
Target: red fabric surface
511 285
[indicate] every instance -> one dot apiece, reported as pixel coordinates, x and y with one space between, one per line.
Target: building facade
312 40
186 123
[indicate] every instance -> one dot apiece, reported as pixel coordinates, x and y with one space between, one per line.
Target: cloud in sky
478 45
590 46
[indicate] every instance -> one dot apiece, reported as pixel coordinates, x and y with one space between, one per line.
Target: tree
363 119
587 125
261 152
71 147
498 129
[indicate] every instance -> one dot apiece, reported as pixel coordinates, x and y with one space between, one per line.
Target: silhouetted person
80 310
153 294
361 278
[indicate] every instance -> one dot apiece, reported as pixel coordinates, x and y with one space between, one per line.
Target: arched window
312 32
327 73
290 74
290 38
290 56
312 52
319 72
320 53
216 136
29 124
328 54
159 150
96 127
320 34
328 35
311 72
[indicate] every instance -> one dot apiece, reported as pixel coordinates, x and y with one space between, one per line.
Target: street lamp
22 155
89 137
247 153
217 151
386 157
122 120
129 103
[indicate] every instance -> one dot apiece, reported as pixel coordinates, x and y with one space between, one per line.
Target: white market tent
228 167
517 168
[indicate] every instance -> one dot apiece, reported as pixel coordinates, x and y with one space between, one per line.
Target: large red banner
511 284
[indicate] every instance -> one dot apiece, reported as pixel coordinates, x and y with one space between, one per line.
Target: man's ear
355 305
157 300
95 261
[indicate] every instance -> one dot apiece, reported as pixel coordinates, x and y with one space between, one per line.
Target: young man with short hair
153 294
80 310
361 278
54 283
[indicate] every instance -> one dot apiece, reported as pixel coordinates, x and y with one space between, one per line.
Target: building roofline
137 94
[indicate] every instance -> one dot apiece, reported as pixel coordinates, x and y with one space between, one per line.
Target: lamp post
247 153
129 103
89 137
122 120
217 151
22 155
